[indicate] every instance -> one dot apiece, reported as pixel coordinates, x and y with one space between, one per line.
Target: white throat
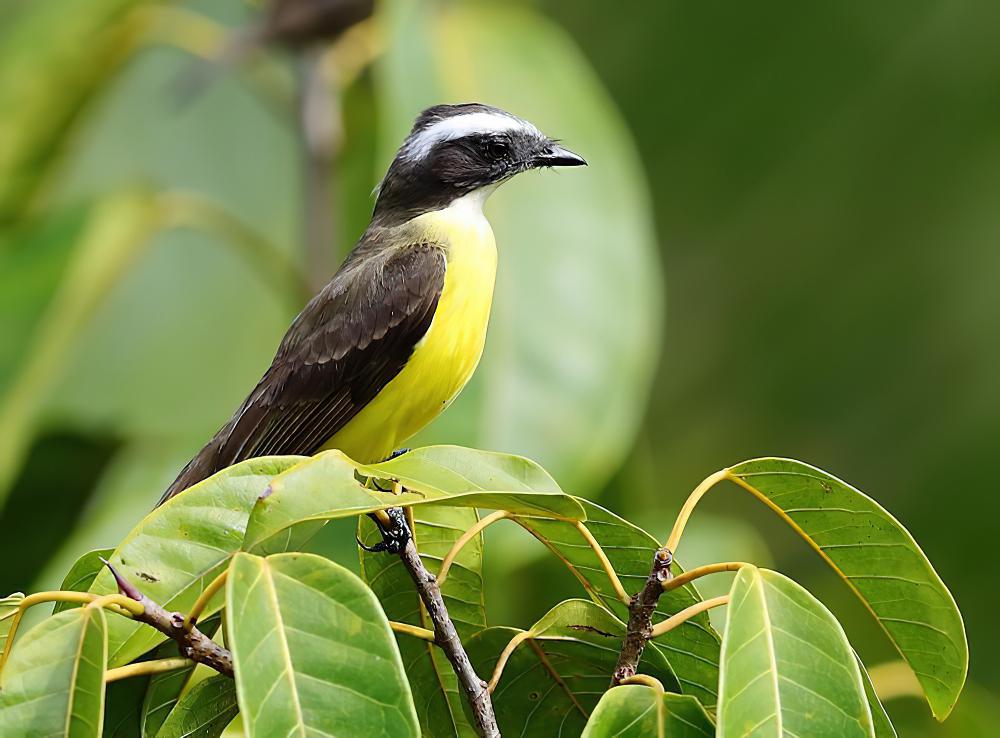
471 205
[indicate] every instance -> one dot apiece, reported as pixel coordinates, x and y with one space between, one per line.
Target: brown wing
345 346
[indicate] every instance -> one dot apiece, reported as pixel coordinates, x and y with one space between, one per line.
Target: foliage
313 647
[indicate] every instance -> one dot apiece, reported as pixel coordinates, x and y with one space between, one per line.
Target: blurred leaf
123 494
636 711
115 231
204 712
54 59
692 648
312 651
82 575
8 607
325 488
53 684
575 329
787 667
180 547
879 560
552 681
190 295
880 719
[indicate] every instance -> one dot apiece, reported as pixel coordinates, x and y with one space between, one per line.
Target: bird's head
456 150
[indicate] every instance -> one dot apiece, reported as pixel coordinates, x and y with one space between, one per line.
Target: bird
390 341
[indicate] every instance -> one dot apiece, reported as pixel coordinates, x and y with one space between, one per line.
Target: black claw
394 537
397 453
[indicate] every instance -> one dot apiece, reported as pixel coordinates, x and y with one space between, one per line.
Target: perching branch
193 644
640 618
446 638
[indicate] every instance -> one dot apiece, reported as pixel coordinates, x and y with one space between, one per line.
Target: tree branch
640 618
193 644
446 638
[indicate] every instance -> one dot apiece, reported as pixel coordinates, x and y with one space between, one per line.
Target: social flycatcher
392 339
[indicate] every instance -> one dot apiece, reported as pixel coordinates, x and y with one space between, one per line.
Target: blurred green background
785 245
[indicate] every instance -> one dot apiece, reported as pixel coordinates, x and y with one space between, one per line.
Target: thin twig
471 533
616 583
412 630
640 617
505 655
690 575
446 637
686 614
144 668
202 602
193 644
646 681
682 518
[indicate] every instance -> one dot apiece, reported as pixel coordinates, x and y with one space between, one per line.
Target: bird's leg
395 532
397 453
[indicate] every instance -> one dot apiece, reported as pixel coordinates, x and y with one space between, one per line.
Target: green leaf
578 250
312 651
163 690
552 682
692 648
879 560
8 608
325 488
180 547
880 719
114 233
636 711
53 683
436 692
787 668
204 712
82 575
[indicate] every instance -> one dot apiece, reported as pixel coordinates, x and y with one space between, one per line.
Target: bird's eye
497 149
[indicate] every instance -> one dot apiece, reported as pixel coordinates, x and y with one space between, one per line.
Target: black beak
555 155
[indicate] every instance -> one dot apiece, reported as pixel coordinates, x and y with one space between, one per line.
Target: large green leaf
205 711
787 668
180 547
53 684
692 648
552 681
82 574
312 651
8 608
114 233
326 487
637 711
880 561
578 251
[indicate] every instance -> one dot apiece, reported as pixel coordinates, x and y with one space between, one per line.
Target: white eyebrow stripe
459 126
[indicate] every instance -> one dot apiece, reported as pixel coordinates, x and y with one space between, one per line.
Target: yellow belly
444 360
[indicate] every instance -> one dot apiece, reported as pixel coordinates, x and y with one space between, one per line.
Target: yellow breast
444 360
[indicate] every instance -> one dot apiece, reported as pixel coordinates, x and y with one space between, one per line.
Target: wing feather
342 349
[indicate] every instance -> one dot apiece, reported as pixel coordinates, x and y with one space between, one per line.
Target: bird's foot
397 453
395 535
